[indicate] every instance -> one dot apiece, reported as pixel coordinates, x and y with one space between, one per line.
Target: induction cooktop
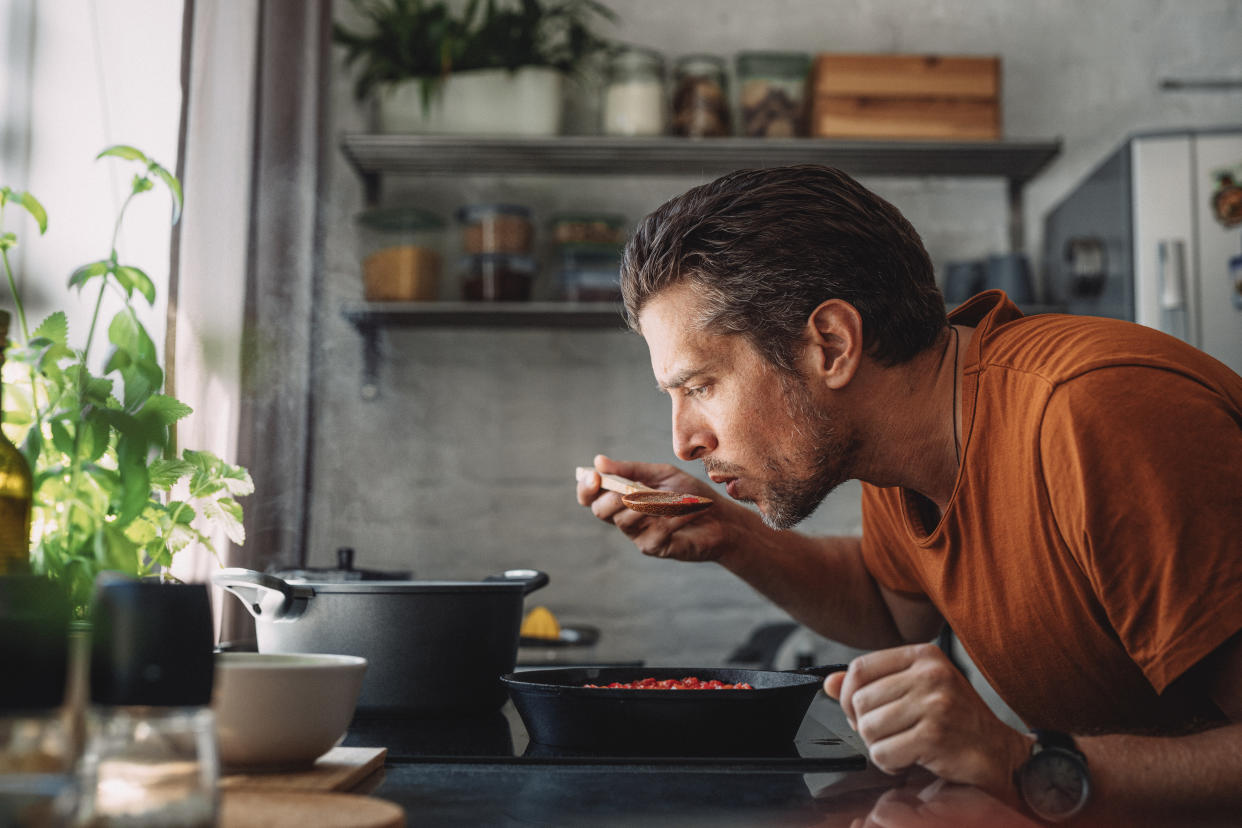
501 738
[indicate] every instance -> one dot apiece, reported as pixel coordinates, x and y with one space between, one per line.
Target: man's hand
912 707
696 537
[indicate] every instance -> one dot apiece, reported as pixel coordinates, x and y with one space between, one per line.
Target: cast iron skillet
558 711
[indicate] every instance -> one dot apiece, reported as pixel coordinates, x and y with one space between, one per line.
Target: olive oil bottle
15 493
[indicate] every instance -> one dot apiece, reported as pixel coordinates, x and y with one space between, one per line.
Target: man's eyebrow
679 379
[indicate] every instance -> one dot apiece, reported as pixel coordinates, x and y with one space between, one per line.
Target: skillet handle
823 670
263 595
532 579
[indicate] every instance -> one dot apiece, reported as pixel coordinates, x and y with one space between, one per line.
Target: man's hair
763 248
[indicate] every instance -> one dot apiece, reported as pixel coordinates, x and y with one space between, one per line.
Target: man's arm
821 582
1187 780
913 708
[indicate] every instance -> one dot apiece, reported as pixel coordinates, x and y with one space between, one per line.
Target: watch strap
1055 739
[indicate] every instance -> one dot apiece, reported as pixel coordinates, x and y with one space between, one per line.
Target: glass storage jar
590 272
634 102
497 277
592 228
772 93
700 97
401 248
496 228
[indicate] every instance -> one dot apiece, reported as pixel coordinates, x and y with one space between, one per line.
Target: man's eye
696 391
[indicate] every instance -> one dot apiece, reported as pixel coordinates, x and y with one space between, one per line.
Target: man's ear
835 339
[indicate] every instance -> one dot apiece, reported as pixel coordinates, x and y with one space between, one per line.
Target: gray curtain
290 143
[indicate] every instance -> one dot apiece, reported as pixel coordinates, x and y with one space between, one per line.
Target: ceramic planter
527 101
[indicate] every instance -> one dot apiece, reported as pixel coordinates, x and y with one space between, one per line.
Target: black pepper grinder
36 761
150 756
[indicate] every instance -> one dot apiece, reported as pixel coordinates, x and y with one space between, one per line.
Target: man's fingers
832 684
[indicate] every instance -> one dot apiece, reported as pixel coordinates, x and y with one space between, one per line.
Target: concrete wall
464 465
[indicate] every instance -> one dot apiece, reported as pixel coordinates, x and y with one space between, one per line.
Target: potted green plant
495 68
110 491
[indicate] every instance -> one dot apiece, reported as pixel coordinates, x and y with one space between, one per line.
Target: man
1065 492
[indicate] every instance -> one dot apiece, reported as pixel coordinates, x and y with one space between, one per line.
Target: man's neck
910 418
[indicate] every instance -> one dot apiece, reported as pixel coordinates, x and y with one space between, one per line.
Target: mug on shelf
1010 272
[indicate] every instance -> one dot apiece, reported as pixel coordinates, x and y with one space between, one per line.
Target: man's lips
729 481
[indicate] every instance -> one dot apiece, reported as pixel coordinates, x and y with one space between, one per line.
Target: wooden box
905 96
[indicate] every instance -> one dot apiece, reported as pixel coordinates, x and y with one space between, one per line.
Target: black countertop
483 771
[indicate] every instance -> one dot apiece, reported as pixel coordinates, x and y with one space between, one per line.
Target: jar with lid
700 97
497 277
587 228
36 754
590 272
401 249
496 228
772 93
634 102
150 756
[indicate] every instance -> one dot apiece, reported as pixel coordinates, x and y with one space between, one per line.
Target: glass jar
590 228
772 93
401 248
590 272
496 228
634 101
497 277
150 766
150 756
700 97
36 750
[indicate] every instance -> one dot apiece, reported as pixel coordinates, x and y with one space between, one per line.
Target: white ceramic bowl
283 711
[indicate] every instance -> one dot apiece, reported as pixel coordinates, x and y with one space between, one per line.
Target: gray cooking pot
430 646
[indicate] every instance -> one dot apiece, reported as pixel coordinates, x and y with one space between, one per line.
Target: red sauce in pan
687 683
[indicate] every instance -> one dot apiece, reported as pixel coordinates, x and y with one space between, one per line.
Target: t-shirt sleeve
1143 468
886 553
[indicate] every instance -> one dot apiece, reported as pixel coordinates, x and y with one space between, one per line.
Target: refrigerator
1154 235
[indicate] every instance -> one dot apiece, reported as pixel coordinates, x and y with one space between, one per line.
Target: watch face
1054 784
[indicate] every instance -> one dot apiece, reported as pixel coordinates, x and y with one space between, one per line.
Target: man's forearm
1188 780
821 582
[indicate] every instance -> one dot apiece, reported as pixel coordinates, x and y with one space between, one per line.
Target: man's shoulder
1058 348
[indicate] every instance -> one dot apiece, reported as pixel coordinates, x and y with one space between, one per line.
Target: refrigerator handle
1172 258
1174 307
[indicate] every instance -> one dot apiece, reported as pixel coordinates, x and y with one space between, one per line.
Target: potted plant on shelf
496 68
110 492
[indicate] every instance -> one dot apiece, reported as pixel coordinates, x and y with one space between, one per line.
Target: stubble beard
789 498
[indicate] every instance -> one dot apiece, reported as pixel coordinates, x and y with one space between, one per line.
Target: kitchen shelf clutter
374 156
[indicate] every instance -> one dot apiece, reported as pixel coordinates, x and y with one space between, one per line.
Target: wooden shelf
604 315
374 155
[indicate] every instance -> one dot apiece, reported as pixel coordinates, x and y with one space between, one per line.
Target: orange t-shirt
1091 551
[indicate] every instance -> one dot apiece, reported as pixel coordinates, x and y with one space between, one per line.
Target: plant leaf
166 473
164 409
55 328
35 209
135 278
124 151
173 185
87 272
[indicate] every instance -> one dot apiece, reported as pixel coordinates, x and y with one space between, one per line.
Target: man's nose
692 438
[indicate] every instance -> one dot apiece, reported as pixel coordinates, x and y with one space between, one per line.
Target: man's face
761 432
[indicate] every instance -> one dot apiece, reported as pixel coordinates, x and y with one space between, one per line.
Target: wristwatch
1053 782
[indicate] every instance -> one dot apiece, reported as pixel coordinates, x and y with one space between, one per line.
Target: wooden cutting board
306 809
340 769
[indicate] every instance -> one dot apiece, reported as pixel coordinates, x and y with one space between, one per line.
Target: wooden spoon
650 501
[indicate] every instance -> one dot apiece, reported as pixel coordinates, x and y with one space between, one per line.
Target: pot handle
264 596
823 670
533 578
